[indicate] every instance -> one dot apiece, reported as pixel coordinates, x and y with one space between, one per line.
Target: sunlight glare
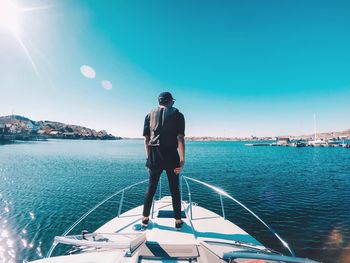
9 18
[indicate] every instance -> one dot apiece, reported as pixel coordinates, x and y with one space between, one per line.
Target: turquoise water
303 193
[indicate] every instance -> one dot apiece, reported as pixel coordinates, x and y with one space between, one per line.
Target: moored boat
317 143
298 144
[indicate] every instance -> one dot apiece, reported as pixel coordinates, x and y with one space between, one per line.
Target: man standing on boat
164 132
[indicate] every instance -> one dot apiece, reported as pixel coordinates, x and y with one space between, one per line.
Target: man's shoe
178 225
145 222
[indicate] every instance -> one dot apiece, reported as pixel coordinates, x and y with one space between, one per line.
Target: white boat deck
160 229
204 225
161 235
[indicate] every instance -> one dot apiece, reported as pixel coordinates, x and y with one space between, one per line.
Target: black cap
165 97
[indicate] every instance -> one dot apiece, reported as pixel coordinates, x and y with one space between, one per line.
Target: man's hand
147 139
181 148
178 170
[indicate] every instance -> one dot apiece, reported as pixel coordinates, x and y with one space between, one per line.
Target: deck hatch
155 250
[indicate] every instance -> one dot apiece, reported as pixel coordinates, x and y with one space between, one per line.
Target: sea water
302 193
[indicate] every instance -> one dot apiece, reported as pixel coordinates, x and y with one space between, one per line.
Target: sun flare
10 21
9 16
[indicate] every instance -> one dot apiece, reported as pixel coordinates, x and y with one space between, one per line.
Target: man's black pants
173 180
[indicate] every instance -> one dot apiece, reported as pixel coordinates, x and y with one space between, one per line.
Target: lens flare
107 85
88 72
345 255
335 238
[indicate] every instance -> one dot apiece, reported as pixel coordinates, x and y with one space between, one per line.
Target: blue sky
236 68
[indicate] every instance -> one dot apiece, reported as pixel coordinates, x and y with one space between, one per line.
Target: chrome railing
122 191
223 193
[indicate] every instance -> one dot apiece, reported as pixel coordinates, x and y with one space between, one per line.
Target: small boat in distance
258 144
298 144
205 237
316 142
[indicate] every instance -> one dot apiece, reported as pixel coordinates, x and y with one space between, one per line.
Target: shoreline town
16 127
329 139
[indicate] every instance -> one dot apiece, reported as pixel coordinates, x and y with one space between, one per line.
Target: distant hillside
19 125
324 135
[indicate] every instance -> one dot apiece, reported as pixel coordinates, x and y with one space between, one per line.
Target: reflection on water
12 244
7 241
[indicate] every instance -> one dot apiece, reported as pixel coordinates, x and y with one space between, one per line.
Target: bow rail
122 191
223 193
217 190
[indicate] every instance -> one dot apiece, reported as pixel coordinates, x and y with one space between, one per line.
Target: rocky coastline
15 127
